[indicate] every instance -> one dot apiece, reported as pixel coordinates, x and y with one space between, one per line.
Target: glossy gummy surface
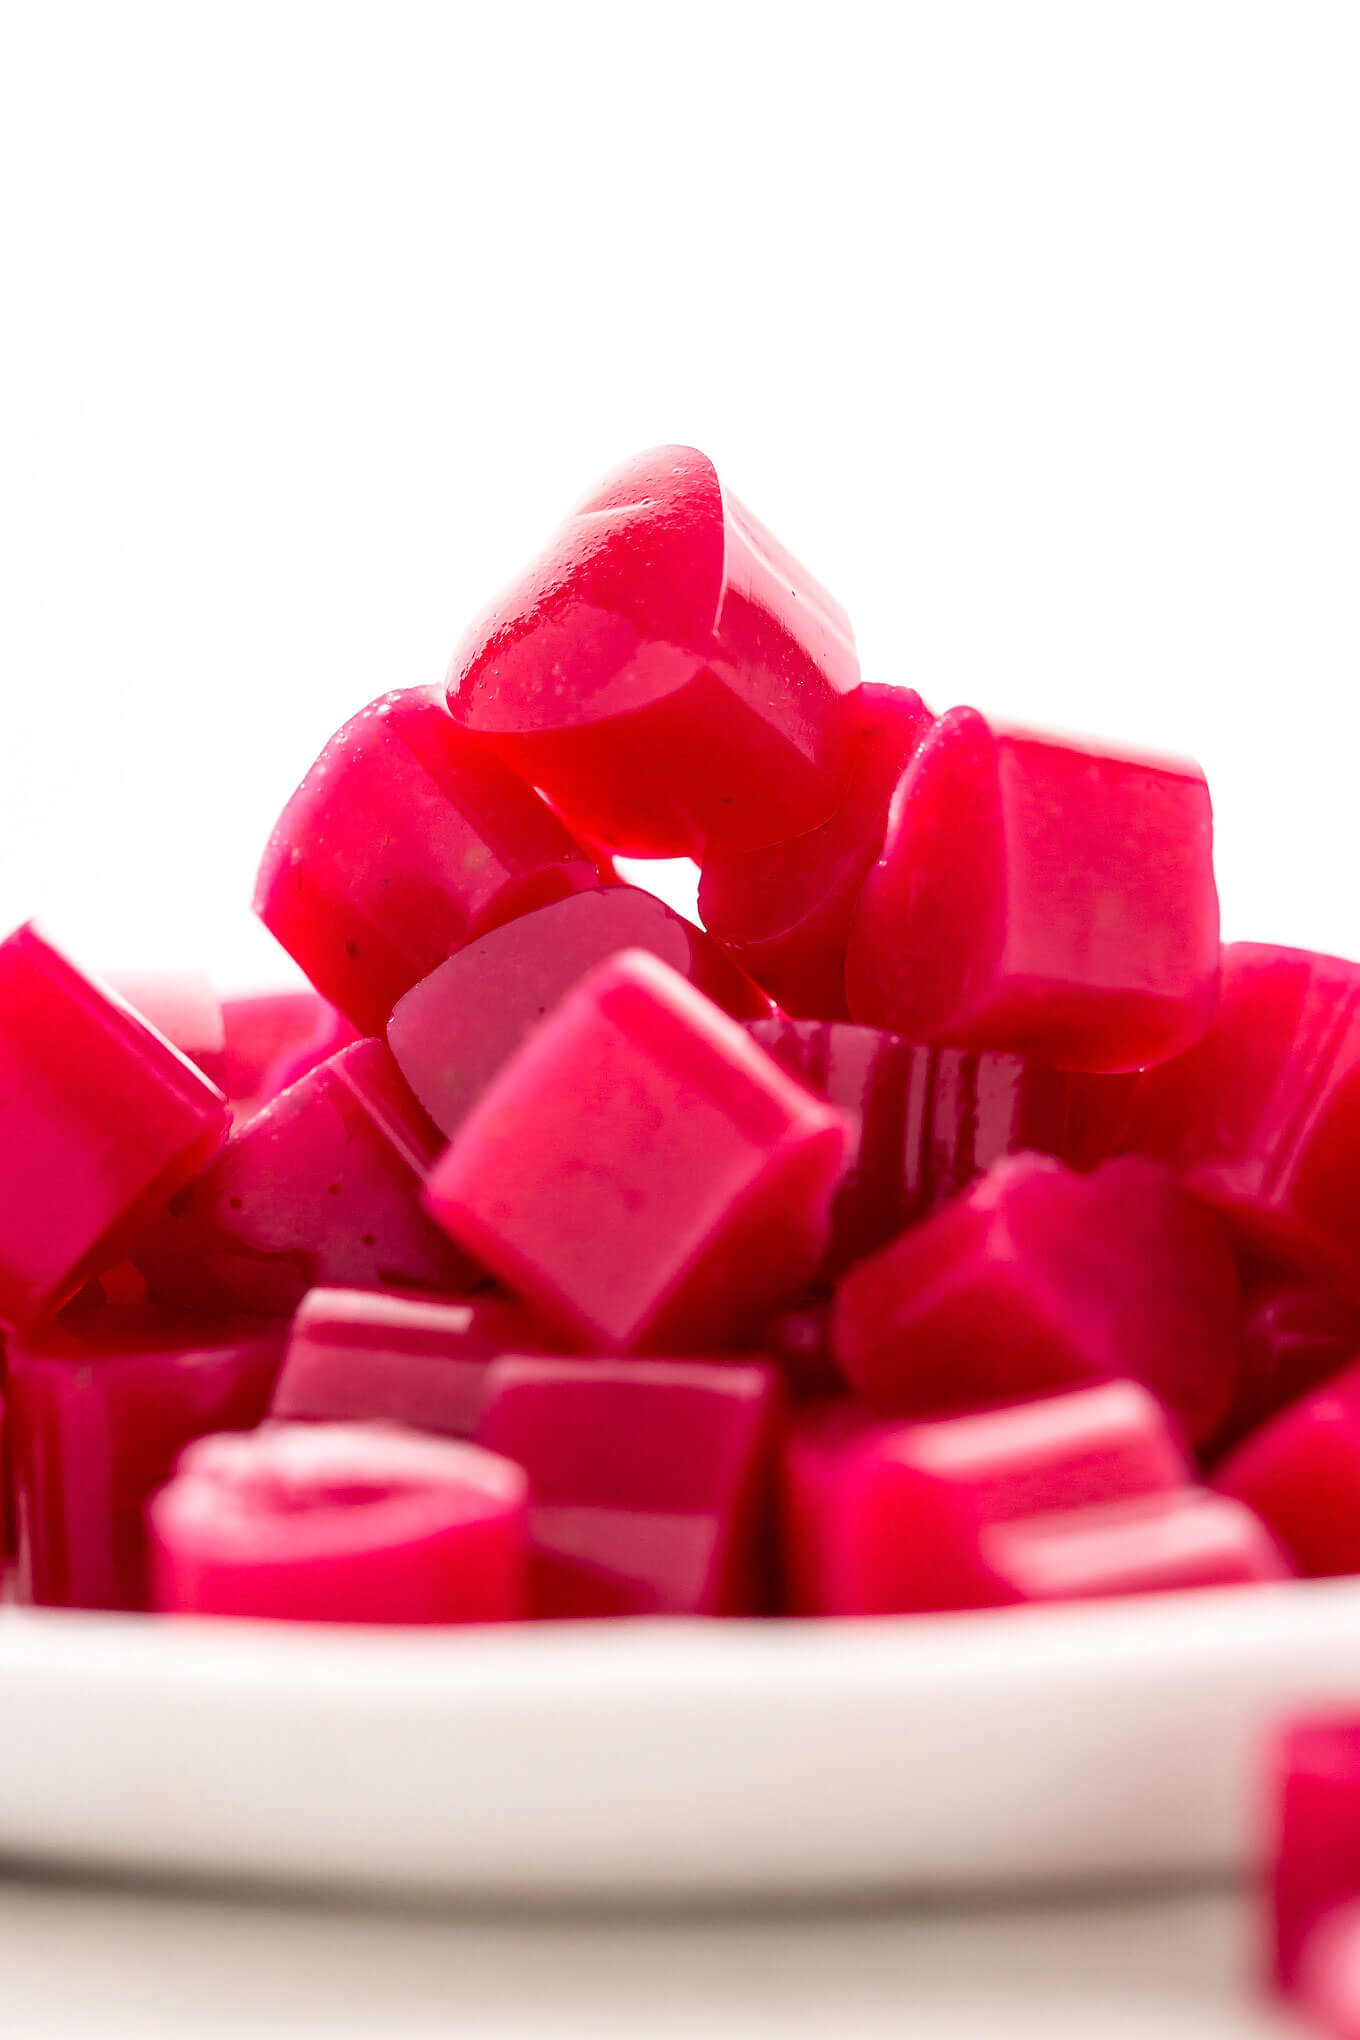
1151 1545
185 1008
452 1032
340 1523
1301 1472
407 838
640 1171
665 671
102 1119
1042 896
1315 1842
648 1481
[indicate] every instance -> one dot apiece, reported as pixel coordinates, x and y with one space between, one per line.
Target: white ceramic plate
665 1759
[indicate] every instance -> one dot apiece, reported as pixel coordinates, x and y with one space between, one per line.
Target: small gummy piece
1038 1278
1154 1544
363 1357
1262 1118
1042 896
407 838
666 672
640 1171
452 1031
648 1481
1315 1843
320 1187
1300 1471
340 1523
102 1119
785 911
886 1517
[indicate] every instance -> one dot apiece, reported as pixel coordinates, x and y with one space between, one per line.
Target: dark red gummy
666 672
408 838
96 1418
1040 896
648 1481
320 1188
453 1031
785 911
102 1119
1038 1278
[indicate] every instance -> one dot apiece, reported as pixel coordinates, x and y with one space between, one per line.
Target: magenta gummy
1327 1978
184 1007
640 1172
102 1120
392 1359
1039 1278
340 1523
453 1031
1153 1545
1301 1473
1315 1846
648 1481
1297 1336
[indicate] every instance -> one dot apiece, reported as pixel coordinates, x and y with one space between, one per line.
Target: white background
1034 328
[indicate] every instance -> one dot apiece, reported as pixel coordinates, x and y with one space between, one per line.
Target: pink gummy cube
407 838
321 1187
931 1120
98 1409
1297 1335
261 1029
666 672
1040 1278
410 1360
648 1481
785 911
640 1171
1326 1982
1301 1472
1152 1545
1315 1844
1043 896
102 1119
185 1008
452 1031
1263 1117
340 1523
883 1517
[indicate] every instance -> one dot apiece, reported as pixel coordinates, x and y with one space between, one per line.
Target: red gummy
1041 896
1297 1335
408 838
356 1356
1315 1846
1263 1117
648 1481
453 1031
887 1517
1300 1471
931 1120
185 1008
785 911
1039 1278
640 1171
320 1188
102 1120
666 672
1155 1544
98 1410
340 1523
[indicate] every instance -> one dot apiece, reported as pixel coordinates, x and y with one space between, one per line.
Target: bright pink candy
1155 1544
321 1187
931 1120
262 1028
1039 1278
785 911
1327 1976
407 838
341 1523
1297 1335
391 1359
452 1032
1301 1472
640 1171
648 1481
1263 1117
185 1008
886 1517
1040 896
668 675
98 1410
1315 1847
101 1120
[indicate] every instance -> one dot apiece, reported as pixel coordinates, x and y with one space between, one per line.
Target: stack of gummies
946 1223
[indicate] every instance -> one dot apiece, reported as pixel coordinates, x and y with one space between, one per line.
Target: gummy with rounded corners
1153 1544
453 1031
408 837
666 672
185 1008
